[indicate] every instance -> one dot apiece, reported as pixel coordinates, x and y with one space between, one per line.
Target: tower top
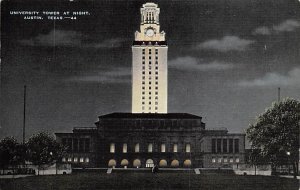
149 27
150 13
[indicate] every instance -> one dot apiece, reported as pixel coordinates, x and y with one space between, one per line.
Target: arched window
63 159
137 163
124 162
112 148
175 163
75 159
87 160
112 163
163 147
188 147
163 163
124 148
187 163
149 163
175 148
81 160
137 147
150 147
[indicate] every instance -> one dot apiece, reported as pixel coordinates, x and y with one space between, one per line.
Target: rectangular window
149 103
230 145
149 72
219 160
124 148
69 159
213 160
156 68
143 97
143 72
237 160
143 62
225 145
143 102
143 92
156 62
149 62
87 160
112 148
175 148
156 77
213 145
137 147
163 147
143 79
149 57
143 67
156 103
219 145
81 160
156 93
143 87
143 82
75 145
236 146
156 97
230 159
150 147
149 97
156 108
81 145
156 88
188 148
75 159
149 87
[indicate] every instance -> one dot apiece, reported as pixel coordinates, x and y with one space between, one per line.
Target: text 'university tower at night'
149 64
149 135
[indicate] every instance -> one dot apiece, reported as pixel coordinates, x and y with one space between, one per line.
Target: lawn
130 180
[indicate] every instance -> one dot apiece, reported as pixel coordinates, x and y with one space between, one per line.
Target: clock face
150 32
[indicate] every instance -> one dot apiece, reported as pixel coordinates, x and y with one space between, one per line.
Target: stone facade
144 140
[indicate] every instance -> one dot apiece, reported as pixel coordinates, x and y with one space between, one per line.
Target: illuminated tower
149 64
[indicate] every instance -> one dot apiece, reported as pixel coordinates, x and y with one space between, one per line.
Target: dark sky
226 60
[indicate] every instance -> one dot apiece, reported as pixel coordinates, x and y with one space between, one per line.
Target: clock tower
149 64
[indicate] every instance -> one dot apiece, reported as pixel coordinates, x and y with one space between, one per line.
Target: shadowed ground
134 180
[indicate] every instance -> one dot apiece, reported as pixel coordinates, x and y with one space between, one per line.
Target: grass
131 180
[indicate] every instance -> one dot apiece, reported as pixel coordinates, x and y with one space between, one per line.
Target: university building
149 135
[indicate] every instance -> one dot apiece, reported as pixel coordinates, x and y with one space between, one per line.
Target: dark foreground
188 180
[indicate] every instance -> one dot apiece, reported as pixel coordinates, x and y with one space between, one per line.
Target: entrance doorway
149 163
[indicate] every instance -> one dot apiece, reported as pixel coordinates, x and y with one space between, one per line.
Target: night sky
226 60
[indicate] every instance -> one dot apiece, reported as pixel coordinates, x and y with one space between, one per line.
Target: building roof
151 115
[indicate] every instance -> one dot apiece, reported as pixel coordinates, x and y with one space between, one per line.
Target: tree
275 134
8 150
43 149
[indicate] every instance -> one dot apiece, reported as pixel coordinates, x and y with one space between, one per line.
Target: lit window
75 159
188 148
231 160
237 160
87 160
213 160
69 159
137 147
150 147
225 159
175 148
163 147
219 160
63 159
112 148
124 148
81 160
